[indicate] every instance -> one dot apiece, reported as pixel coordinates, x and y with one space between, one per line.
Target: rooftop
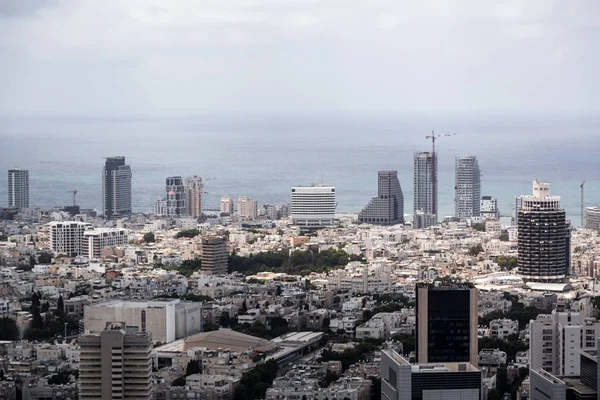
227 339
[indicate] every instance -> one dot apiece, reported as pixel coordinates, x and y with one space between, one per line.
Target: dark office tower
446 323
176 204
18 188
468 187
543 237
214 255
425 189
388 207
116 187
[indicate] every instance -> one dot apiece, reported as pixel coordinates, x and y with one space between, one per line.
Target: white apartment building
97 239
557 339
503 328
18 188
467 187
313 207
226 205
489 207
68 237
247 208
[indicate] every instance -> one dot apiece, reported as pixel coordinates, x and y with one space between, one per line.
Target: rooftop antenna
582 214
74 191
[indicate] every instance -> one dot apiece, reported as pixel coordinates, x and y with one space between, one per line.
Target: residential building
446 323
556 341
115 364
546 386
67 237
194 193
388 207
503 328
116 187
96 239
271 212
425 187
247 208
214 255
18 188
166 319
489 207
401 380
313 207
227 205
592 218
467 187
543 237
176 205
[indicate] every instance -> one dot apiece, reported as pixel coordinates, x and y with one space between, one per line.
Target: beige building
246 208
226 205
115 364
194 188
214 255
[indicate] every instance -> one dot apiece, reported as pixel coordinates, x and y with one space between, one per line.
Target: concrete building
503 328
226 205
116 187
489 208
545 386
313 207
67 237
556 341
388 207
401 380
467 187
115 364
18 188
214 255
543 237
166 320
96 239
425 187
247 208
446 323
176 205
592 218
194 193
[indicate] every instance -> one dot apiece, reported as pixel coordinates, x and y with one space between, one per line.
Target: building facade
115 364
96 239
543 237
592 218
116 187
446 323
467 187
313 207
424 198
388 207
227 205
489 207
67 237
194 193
18 188
176 205
545 386
214 255
247 208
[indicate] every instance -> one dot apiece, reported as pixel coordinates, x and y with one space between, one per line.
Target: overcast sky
182 57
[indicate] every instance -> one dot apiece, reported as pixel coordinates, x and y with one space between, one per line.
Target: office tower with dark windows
194 191
18 188
175 188
116 364
424 189
214 255
446 323
543 237
468 187
116 187
388 207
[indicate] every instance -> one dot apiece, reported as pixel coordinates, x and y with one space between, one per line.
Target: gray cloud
389 57
23 8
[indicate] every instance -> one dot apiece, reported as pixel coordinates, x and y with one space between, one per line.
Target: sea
263 157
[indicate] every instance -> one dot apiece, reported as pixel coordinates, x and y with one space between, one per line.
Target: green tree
193 367
45 307
504 236
178 381
408 341
475 250
278 291
243 309
60 306
187 233
479 227
149 237
45 258
35 300
8 329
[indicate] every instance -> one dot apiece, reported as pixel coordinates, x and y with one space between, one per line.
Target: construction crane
433 136
582 215
74 194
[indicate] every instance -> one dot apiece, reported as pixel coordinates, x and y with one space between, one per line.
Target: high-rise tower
424 193
175 196
313 207
18 188
388 207
194 190
116 187
468 187
543 237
